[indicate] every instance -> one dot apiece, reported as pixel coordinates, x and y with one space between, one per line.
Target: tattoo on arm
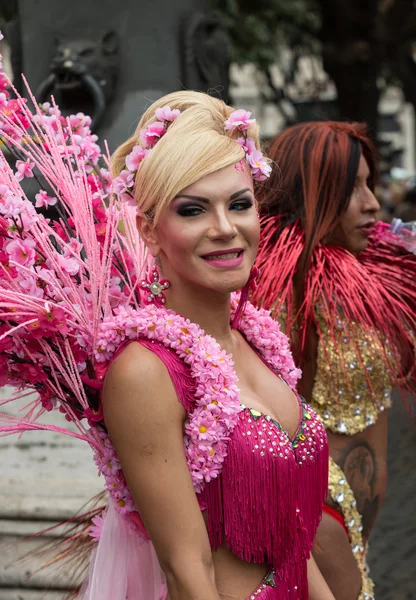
359 464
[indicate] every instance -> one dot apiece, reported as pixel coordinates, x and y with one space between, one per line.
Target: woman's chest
265 392
259 437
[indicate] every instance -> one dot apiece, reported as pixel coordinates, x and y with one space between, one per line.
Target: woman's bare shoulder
138 374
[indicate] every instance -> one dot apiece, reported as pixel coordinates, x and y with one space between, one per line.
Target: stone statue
112 59
83 76
207 55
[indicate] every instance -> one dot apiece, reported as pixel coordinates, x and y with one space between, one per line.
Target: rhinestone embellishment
155 287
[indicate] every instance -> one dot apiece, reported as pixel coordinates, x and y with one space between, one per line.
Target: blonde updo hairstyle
194 145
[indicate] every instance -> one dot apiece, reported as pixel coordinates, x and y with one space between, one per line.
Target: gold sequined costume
352 385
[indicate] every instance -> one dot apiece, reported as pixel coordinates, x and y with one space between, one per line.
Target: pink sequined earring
155 287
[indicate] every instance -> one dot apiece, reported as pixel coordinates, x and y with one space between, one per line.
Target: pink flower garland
124 183
240 121
217 403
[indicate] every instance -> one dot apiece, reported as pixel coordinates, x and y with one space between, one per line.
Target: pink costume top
266 503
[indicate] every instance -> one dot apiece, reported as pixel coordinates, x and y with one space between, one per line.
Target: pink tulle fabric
124 565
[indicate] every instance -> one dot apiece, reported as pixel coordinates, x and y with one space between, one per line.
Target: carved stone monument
111 58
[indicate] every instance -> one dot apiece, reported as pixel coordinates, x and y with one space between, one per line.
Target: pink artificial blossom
7 343
259 166
68 265
53 318
73 247
94 416
135 157
24 169
239 119
152 133
22 251
43 200
248 144
6 266
87 147
28 217
30 285
167 114
11 206
4 190
105 179
123 182
96 528
48 402
3 100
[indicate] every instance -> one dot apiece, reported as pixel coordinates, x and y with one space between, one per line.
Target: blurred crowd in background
396 193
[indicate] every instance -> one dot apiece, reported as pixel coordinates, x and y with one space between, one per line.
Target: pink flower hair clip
124 183
240 121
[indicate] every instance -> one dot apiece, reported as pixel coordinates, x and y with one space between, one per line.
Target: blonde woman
216 468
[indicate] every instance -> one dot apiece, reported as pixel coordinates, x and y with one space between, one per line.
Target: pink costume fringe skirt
124 566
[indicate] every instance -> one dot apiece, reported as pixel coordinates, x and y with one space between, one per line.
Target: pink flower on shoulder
24 169
44 200
167 114
203 427
239 119
211 472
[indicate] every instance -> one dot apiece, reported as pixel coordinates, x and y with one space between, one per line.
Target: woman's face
208 236
358 221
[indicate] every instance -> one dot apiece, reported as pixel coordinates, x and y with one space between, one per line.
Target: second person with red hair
347 299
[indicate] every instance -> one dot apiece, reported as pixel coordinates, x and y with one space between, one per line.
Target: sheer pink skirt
123 565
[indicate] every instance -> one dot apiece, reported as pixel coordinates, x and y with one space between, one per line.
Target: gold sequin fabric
341 493
352 385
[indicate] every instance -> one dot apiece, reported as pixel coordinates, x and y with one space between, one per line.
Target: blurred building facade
312 95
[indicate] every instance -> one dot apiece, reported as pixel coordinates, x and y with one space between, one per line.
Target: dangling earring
250 285
155 286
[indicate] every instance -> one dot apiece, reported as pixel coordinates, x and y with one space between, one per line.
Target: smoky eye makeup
243 203
188 209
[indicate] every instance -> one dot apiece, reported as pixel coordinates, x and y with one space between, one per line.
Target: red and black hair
314 175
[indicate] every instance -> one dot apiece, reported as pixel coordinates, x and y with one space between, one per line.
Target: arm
145 423
318 588
408 381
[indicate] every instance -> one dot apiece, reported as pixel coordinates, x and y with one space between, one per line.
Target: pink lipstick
225 259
